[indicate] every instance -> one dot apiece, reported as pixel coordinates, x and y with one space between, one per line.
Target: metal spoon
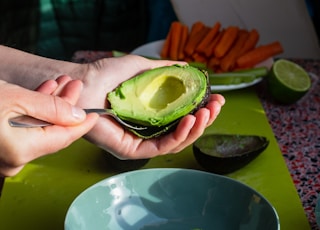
31 122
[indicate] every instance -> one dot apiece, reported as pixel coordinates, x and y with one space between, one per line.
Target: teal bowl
170 199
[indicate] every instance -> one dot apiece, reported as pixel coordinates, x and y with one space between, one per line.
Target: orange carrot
175 40
251 41
226 41
209 37
209 51
228 61
166 46
183 41
197 30
188 59
214 63
197 57
259 54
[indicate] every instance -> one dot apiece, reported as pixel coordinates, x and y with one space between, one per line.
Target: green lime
288 81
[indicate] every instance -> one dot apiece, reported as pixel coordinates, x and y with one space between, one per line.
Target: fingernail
78 113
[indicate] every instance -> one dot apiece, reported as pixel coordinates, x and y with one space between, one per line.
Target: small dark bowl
223 153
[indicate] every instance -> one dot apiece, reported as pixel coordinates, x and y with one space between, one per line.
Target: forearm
30 70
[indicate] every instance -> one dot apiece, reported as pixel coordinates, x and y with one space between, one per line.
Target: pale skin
21 145
98 79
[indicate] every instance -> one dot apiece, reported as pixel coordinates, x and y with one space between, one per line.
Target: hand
106 74
21 145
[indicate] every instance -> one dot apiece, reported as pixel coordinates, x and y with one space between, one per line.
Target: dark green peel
223 153
154 131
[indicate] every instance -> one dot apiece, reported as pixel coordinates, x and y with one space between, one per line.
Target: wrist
29 70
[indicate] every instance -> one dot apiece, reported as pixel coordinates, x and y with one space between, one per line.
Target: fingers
37 142
218 98
214 105
54 87
125 145
48 139
47 87
71 91
188 130
57 111
191 127
65 135
8 171
56 108
195 131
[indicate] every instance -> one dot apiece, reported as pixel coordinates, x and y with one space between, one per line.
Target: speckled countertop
296 128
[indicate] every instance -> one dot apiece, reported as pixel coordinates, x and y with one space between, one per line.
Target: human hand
21 145
106 74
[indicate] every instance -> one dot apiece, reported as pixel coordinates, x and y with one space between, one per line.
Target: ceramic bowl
170 199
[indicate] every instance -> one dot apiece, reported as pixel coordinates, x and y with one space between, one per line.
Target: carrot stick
183 41
226 41
196 30
251 41
228 61
188 59
259 54
204 44
214 63
166 46
197 57
209 51
175 40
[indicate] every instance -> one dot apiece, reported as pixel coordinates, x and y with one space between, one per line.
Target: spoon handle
31 122
27 122
99 111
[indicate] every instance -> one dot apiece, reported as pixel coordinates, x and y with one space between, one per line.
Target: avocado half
160 97
226 153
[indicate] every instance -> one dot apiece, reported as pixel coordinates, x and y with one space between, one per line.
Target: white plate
153 49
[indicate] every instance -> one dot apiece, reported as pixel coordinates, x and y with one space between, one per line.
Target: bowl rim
224 177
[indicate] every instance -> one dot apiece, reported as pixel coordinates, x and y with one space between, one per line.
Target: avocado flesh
158 97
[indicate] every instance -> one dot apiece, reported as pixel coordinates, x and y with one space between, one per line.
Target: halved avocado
226 153
158 98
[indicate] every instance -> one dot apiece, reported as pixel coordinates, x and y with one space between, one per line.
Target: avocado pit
164 90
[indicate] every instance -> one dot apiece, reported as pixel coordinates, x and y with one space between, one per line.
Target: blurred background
58 28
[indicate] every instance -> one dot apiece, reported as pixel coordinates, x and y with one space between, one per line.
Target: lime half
288 81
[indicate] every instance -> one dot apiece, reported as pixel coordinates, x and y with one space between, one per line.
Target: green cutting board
39 196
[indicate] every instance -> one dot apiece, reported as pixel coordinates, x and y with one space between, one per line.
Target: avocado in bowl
158 98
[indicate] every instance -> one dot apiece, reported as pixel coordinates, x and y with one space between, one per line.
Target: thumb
57 111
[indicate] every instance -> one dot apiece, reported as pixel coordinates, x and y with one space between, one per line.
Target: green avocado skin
159 98
226 153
